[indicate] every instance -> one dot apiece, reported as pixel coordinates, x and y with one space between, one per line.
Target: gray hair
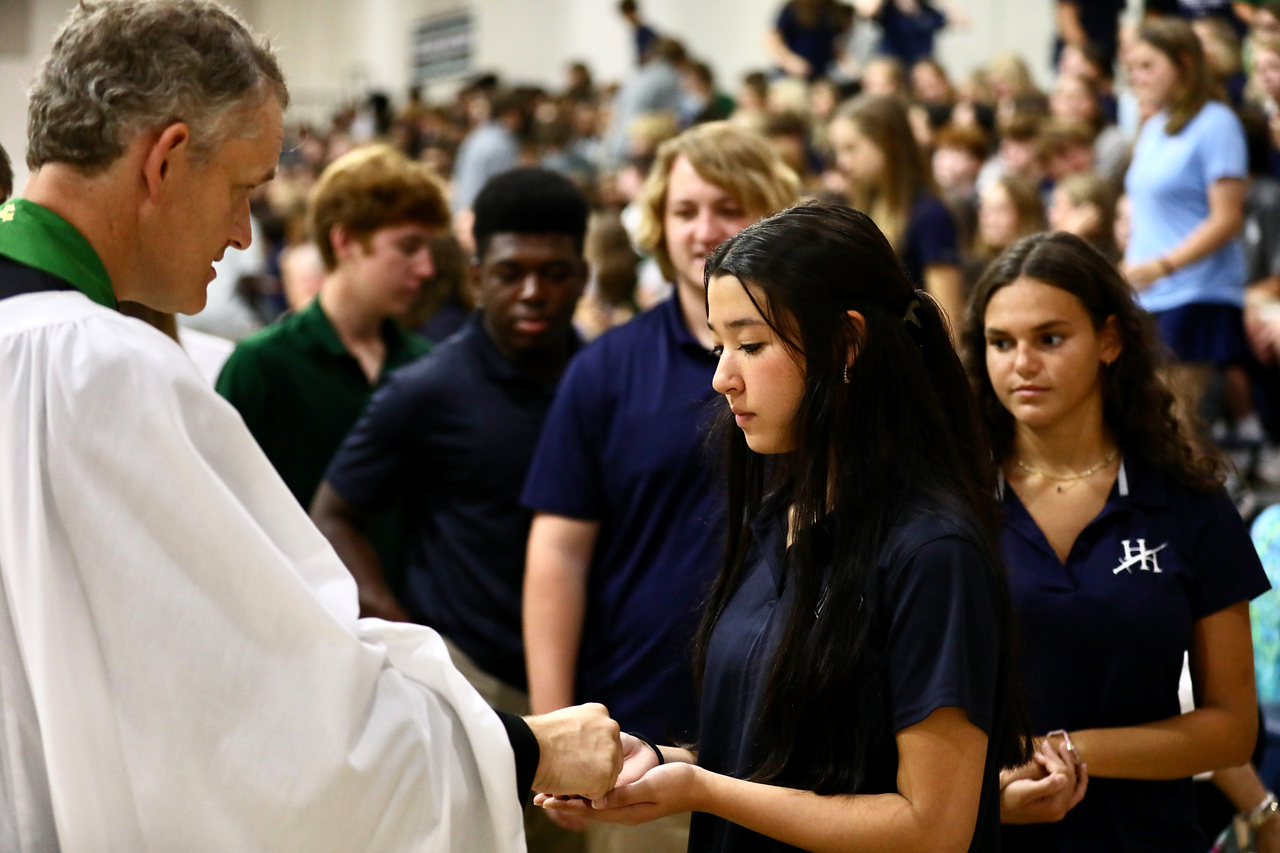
122 67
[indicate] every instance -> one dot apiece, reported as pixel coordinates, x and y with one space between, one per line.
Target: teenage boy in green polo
301 384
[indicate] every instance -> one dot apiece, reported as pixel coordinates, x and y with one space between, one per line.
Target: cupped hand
565 820
664 790
637 760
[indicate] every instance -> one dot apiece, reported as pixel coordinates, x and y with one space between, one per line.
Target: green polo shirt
300 392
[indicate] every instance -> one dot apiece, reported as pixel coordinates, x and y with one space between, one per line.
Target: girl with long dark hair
856 650
1124 554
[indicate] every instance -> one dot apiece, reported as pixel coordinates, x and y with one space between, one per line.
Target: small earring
846 374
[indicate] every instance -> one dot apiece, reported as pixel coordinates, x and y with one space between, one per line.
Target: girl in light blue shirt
1186 186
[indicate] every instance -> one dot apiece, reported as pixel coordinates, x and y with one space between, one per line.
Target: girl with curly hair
1123 551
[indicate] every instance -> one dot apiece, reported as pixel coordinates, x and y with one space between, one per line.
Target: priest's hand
581 751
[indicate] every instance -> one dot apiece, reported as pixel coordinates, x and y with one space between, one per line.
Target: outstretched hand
581 751
662 790
637 759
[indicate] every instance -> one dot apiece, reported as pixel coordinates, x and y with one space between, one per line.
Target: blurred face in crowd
1019 157
997 217
857 157
585 120
387 267
698 217
529 285
749 99
1071 99
1073 64
1072 159
1043 354
823 100
955 169
1060 210
929 85
1265 24
1152 74
793 152
1266 70
761 379
880 78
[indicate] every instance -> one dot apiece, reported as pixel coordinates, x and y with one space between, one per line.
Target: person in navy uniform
856 650
1123 553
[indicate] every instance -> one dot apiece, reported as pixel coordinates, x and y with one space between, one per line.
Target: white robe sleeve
197 668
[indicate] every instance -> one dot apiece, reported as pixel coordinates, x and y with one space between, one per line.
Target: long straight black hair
904 426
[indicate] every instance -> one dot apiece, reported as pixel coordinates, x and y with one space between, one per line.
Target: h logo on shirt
1142 557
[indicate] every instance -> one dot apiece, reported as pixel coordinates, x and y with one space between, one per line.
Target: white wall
336 49
535 39
16 73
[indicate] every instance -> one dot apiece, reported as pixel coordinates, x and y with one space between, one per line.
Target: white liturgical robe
181 664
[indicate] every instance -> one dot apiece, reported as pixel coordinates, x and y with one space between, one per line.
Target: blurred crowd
953 168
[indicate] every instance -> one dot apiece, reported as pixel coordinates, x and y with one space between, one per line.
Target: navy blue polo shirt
815 44
624 445
1103 638
451 435
931 239
934 642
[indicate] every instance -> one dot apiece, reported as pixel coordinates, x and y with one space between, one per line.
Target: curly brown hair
1137 405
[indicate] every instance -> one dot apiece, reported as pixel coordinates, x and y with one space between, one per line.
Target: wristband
1263 811
1071 747
649 744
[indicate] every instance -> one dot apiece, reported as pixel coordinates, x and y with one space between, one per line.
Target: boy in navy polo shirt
452 435
628 531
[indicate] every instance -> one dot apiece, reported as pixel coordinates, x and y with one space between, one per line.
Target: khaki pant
665 835
542 835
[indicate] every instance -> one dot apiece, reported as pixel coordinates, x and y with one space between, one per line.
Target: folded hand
1044 789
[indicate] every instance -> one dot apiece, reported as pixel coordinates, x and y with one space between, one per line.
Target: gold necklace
1069 478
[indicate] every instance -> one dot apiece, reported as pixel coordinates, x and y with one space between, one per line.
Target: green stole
37 237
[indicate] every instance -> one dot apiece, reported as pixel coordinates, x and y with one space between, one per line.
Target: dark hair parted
1137 406
529 201
904 427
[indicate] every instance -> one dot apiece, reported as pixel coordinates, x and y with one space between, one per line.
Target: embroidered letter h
1144 559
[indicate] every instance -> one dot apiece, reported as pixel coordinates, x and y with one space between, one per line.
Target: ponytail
904 425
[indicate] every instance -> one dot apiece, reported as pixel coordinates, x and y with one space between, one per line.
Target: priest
182 666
